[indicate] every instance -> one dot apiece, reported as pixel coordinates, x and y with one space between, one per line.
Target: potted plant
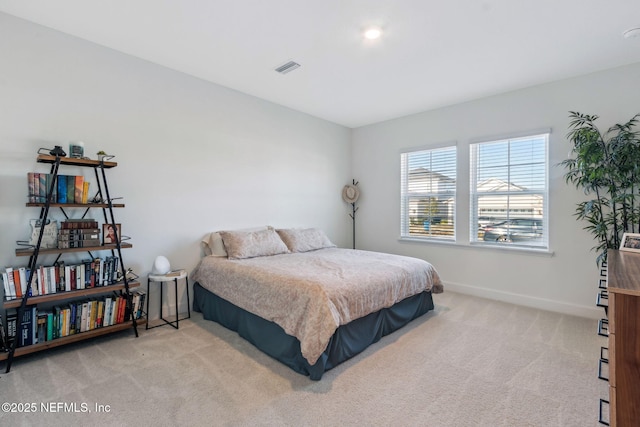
605 166
101 155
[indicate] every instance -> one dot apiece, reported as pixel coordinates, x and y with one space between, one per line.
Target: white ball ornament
161 265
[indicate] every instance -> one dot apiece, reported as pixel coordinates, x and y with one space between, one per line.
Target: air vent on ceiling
289 66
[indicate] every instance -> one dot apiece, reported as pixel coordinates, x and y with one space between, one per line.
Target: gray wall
565 281
196 157
193 157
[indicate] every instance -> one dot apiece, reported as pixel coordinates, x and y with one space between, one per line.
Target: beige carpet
472 362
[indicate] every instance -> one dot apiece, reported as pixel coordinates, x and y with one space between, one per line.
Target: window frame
474 215
406 196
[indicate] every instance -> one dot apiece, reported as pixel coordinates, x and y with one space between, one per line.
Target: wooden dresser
623 284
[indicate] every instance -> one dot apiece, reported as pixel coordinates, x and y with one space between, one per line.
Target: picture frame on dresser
630 242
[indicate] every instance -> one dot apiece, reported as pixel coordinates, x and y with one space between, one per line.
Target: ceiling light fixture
631 33
372 33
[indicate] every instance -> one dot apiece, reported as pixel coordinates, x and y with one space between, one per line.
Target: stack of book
78 233
39 185
37 326
90 273
67 189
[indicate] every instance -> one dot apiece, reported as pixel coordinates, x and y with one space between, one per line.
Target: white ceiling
432 53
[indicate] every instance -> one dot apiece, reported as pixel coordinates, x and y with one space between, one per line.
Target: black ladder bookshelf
103 201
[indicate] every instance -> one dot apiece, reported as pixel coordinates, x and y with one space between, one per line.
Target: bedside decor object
351 194
111 235
101 155
76 149
161 265
49 235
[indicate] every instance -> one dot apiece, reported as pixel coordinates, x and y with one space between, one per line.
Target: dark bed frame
346 342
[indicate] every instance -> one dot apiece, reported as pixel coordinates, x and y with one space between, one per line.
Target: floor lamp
350 194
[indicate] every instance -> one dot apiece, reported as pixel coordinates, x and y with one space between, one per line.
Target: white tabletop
170 276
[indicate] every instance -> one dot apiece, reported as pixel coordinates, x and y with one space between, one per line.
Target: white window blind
428 194
509 192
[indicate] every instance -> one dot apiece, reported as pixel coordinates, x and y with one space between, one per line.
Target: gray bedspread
310 294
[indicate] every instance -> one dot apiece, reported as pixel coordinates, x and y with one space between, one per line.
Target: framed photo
630 242
109 234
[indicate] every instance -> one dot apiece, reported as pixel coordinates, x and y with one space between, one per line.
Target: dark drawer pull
602 295
600 420
600 363
603 327
602 283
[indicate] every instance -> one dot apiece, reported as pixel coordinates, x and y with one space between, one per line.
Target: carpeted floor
471 362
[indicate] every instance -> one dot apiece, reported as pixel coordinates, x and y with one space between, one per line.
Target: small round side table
172 276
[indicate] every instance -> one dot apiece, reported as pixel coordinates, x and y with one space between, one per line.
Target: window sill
483 246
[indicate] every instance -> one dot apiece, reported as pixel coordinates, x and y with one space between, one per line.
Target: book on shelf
41 330
78 188
71 189
9 285
79 223
78 313
61 270
62 189
12 325
56 322
32 178
49 325
85 192
79 233
27 330
84 311
87 243
16 282
42 187
3 336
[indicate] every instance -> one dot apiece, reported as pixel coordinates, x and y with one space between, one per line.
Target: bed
305 302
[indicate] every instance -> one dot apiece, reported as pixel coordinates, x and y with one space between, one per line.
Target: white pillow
305 240
251 244
212 242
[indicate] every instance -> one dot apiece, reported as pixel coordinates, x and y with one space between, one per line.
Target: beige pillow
212 242
305 240
243 244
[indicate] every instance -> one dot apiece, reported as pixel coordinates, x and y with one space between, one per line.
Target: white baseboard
527 301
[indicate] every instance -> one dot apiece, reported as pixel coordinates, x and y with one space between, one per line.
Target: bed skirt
346 342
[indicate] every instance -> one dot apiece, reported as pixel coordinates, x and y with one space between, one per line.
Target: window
509 192
428 194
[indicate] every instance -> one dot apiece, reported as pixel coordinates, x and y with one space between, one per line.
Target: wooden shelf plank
21 351
111 246
45 158
69 295
76 205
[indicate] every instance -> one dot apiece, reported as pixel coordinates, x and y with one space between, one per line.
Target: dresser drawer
612 357
611 313
612 407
